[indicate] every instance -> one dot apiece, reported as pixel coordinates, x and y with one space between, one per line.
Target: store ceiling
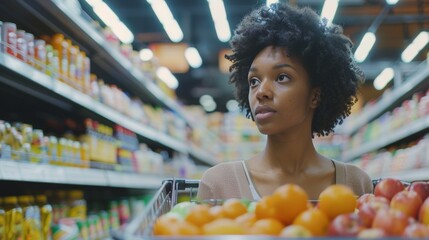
397 28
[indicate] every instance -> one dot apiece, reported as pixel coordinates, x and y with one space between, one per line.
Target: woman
295 77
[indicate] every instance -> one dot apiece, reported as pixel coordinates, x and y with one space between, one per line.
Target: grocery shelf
42 173
69 93
388 138
407 175
106 53
413 83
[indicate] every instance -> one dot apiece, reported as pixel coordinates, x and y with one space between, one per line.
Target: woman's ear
315 98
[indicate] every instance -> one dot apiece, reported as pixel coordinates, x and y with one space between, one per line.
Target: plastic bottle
77 205
61 45
2 220
31 227
30 48
45 216
21 45
14 219
9 38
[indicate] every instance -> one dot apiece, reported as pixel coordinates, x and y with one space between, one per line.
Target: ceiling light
384 78
217 10
232 105
146 54
193 57
415 47
208 103
365 46
391 2
171 27
165 75
329 9
106 14
269 2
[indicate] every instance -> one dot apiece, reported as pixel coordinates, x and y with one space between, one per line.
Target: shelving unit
388 138
40 173
407 175
413 83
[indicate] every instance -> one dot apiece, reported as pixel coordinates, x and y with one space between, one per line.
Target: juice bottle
31 223
37 145
2 220
14 218
53 150
45 216
40 55
77 205
73 53
86 74
61 45
60 207
21 45
9 38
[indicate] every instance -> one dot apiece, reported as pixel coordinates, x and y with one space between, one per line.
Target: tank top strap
253 191
340 172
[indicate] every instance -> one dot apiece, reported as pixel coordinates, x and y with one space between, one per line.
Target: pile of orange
287 212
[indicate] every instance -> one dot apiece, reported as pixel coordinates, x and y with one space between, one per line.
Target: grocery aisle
90 128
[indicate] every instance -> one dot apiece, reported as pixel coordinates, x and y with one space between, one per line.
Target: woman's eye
253 82
283 78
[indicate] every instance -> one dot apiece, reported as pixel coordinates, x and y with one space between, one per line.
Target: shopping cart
141 228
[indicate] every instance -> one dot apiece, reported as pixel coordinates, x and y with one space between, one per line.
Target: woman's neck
290 153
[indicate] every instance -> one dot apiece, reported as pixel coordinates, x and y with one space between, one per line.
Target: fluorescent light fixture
171 27
173 31
106 14
392 2
415 47
217 10
165 75
123 33
365 46
193 57
232 105
384 78
329 9
269 2
208 103
146 54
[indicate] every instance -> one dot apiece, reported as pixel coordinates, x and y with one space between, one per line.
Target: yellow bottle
14 219
31 228
61 45
2 220
45 216
77 205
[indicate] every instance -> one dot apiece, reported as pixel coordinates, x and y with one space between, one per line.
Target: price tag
10 170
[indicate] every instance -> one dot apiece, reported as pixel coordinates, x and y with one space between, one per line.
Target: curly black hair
322 48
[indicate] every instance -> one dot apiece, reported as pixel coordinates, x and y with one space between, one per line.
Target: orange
217 212
223 226
233 208
266 208
167 226
199 215
337 199
267 226
246 220
291 200
313 220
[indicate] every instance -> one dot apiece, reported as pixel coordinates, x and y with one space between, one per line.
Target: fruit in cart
289 201
416 230
346 225
367 214
337 199
251 207
199 215
371 233
367 197
421 188
407 202
232 208
388 187
267 226
424 212
223 226
170 226
246 220
182 208
217 212
314 220
391 221
265 208
295 231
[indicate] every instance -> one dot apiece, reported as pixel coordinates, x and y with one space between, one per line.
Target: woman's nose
264 90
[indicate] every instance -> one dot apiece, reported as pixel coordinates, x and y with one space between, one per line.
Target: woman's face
280 95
